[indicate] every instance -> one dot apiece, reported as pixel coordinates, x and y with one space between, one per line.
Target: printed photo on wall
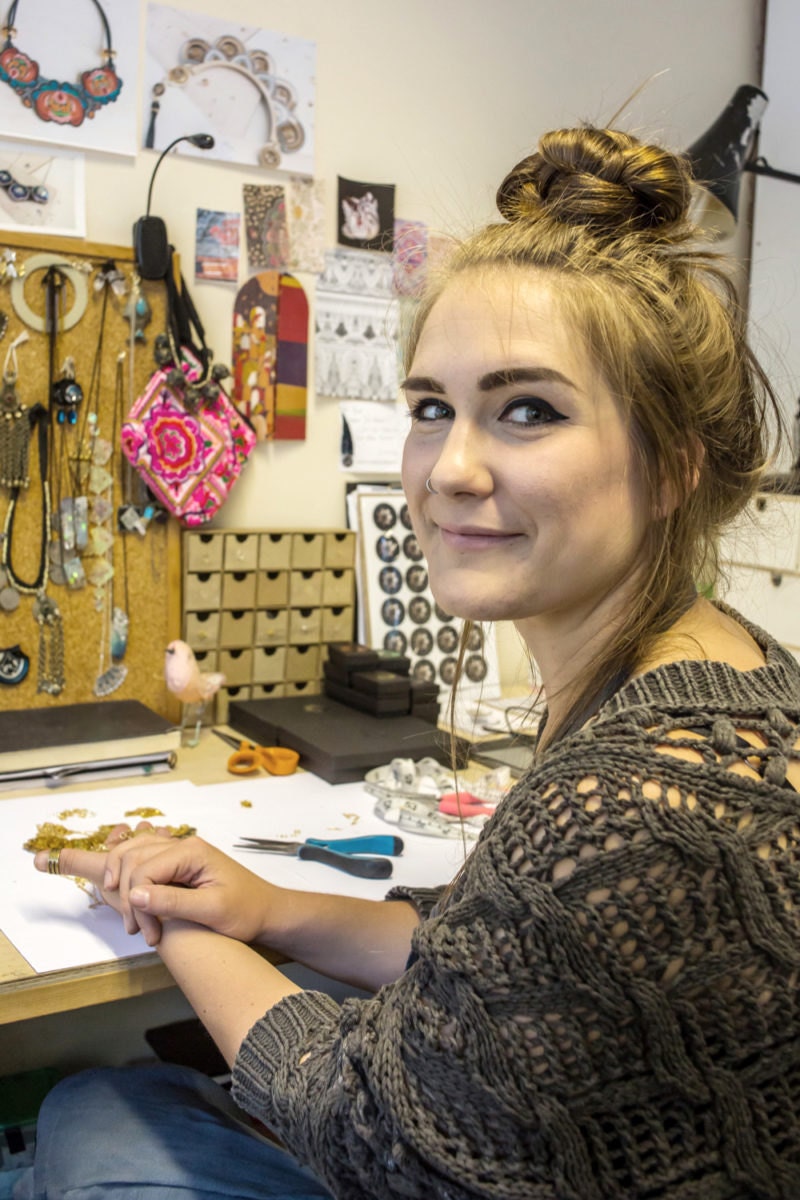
68 74
270 355
409 257
366 215
42 189
251 88
216 245
305 222
265 227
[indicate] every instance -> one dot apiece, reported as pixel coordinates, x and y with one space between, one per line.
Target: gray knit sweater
606 1003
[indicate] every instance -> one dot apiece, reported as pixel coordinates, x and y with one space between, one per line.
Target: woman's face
538 510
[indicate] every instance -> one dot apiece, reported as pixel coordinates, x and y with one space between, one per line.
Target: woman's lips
472 537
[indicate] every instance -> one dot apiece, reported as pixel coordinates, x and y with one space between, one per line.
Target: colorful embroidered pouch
189 456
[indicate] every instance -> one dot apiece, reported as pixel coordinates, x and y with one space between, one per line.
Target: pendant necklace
50 99
114 624
15 424
69 524
46 613
102 574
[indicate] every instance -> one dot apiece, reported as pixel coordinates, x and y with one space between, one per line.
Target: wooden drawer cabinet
261 605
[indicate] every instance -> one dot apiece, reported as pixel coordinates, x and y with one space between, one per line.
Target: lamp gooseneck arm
202 140
161 157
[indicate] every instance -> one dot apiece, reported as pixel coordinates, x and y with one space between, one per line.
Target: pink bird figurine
184 677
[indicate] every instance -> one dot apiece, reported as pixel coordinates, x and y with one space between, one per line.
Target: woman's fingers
91 865
156 901
150 877
118 834
86 864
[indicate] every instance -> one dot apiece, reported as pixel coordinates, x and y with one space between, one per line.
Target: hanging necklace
15 424
49 99
64 397
38 417
114 630
46 613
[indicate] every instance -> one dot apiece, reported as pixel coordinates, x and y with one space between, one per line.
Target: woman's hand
152 877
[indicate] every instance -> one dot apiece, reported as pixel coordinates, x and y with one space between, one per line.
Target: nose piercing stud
430 488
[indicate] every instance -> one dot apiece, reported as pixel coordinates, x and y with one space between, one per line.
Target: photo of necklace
51 99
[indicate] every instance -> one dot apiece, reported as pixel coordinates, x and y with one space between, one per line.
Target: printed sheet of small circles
398 605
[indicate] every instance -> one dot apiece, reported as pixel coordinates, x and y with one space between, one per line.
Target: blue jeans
155 1133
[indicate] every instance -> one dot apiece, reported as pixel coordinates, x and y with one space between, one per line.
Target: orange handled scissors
250 757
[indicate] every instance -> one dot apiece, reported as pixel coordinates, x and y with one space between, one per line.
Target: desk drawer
338 587
267 691
272 590
308 687
269 664
201 630
203 551
302 663
272 627
340 550
236 629
307 551
202 591
241 551
337 624
305 589
275 551
238 589
236 666
305 625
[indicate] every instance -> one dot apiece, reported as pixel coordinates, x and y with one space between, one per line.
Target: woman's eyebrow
511 375
422 383
504 377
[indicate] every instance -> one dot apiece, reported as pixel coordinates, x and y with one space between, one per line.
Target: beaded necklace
50 99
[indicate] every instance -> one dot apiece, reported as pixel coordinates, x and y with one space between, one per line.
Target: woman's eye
529 412
430 410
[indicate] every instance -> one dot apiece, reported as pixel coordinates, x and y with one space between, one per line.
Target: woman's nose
464 464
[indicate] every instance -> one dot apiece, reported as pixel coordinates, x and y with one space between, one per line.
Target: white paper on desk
49 919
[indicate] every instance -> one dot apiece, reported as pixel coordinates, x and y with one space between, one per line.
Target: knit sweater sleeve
575 1012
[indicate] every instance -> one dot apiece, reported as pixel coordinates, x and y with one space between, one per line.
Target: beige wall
439 97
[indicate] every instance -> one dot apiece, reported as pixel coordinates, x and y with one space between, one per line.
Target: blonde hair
661 319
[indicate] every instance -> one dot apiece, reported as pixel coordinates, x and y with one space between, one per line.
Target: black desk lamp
150 241
722 154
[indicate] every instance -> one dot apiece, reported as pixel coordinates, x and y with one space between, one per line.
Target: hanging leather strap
184 319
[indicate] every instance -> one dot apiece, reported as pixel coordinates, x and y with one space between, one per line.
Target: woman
604 1002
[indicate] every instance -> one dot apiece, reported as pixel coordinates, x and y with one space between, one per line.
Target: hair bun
601 178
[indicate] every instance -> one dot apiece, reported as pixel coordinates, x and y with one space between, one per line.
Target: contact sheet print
398 607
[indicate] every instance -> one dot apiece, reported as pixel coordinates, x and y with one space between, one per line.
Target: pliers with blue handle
347 854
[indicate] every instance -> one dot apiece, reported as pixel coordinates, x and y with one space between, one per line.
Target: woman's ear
689 463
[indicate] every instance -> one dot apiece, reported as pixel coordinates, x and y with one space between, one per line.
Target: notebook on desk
35 739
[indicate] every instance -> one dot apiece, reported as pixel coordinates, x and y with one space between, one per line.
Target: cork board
146 569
